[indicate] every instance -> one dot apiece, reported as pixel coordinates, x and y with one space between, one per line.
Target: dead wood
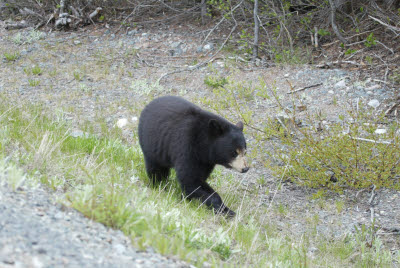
303 88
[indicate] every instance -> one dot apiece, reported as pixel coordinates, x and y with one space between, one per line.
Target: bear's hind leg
156 173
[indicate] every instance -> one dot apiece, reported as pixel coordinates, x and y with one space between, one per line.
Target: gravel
35 231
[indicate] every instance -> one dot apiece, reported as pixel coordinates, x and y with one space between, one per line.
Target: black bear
175 133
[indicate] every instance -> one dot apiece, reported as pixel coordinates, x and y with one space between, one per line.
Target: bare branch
393 28
303 88
333 22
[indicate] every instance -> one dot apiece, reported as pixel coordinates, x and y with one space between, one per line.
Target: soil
95 72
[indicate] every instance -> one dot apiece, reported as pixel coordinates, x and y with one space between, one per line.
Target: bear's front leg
208 196
216 201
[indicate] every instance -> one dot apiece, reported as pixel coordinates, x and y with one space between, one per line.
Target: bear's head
229 145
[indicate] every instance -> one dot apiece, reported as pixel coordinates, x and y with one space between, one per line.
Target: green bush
346 154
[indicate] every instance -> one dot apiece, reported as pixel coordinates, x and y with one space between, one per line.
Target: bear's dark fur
174 133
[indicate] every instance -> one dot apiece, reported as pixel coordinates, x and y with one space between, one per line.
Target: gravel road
35 231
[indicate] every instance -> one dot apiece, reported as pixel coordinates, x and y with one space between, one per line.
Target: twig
391 108
223 18
15 26
381 81
372 203
303 88
388 48
95 12
368 140
328 64
315 36
393 28
192 68
331 43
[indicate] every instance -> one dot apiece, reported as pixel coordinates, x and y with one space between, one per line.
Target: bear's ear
240 125
215 128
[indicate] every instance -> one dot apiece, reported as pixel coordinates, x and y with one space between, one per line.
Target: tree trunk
256 30
203 11
333 22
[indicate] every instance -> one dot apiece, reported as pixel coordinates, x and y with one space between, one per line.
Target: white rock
122 122
208 46
380 131
374 103
331 92
119 248
340 84
286 75
134 118
373 87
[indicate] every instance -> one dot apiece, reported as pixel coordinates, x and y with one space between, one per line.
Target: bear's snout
244 170
239 163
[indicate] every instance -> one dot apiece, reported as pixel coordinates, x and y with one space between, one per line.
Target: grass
104 178
12 56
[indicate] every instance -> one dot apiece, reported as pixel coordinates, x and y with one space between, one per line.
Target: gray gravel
37 232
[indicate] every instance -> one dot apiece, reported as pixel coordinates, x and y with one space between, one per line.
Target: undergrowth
348 154
104 178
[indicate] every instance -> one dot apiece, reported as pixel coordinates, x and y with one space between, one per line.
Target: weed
370 41
339 206
215 81
323 32
13 56
145 88
33 82
350 51
78 75
368 59
37 70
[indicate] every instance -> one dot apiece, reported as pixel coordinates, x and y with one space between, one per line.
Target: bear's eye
234 154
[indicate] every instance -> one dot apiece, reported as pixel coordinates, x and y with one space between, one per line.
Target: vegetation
346 154
275 29
104 178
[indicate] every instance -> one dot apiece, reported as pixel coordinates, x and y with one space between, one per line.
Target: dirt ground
95 72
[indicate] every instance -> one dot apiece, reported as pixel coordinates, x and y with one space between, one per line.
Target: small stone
122 122
331 92
176 44
286 75
144 34
382 212
208 46
77 42
59 215
132 32
134 118
374 103
340 84
380 131
373 87
77 133
119 248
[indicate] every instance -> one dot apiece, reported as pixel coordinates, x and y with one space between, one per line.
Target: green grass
104 178
12 56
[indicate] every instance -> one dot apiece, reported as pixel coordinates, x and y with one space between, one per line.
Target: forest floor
94 72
